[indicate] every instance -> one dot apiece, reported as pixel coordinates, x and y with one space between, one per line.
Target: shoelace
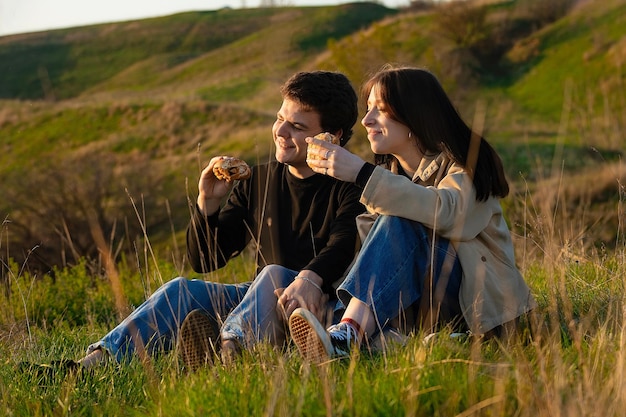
343 337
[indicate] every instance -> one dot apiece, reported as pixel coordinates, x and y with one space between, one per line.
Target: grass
573 366
158 117
569 62
168 99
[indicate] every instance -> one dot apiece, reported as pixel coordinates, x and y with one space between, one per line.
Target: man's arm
214 238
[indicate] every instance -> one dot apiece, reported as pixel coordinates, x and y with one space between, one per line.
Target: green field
105 129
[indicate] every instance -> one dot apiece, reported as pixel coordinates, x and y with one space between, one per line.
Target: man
302 225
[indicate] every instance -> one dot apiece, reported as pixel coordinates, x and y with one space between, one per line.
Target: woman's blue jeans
155 323
399 266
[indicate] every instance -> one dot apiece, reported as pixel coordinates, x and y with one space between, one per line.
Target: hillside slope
65 63
134 109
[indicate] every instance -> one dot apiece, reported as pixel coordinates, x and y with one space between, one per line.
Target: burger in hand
231 169
328 137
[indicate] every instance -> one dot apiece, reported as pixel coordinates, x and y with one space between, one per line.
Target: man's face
293 124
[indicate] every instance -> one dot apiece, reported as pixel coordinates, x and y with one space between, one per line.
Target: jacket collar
428 166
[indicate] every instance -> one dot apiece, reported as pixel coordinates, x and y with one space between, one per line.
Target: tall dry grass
571 364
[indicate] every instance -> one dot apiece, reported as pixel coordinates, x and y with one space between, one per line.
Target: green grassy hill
196 48
73 60
134 109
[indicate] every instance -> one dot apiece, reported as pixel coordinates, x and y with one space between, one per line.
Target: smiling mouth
284 145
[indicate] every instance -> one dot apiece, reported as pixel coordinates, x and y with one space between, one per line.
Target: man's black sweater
297 223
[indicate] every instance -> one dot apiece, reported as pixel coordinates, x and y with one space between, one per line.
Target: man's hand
211 191
303 293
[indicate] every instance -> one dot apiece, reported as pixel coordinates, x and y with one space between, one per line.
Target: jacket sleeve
444 207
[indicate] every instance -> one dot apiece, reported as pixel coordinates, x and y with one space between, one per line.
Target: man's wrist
310 281
207 206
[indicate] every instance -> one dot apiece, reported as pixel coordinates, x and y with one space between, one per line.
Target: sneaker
49 374
197 340
62 366
316 344
460 337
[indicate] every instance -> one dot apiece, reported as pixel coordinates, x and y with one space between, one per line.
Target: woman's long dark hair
415 98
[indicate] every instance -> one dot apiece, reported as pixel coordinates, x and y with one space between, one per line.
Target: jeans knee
275 275
175 285
387 221
178 282
394 223
270 272
273 270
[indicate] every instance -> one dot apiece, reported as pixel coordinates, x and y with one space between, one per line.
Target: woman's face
386 136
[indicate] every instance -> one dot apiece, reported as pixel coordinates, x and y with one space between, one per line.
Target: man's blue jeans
398 265
247 311
256 318
155 323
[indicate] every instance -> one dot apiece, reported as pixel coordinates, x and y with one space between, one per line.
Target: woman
439 244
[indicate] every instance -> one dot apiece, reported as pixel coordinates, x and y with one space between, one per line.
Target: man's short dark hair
328 93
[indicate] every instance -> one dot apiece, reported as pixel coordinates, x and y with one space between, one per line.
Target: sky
21 16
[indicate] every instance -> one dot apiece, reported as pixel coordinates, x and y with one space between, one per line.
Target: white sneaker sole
310 337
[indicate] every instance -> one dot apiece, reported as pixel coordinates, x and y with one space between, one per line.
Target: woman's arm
450 207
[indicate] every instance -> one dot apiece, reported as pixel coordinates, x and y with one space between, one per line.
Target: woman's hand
211 191
305 293
328 159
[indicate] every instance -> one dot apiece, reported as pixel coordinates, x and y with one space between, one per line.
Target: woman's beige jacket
443 198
